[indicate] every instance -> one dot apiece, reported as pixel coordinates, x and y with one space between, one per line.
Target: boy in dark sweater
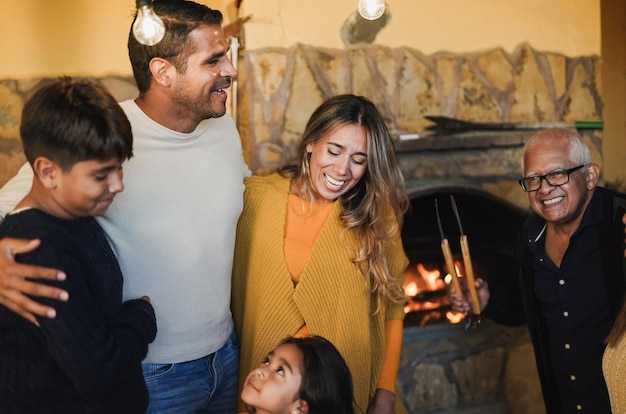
88 358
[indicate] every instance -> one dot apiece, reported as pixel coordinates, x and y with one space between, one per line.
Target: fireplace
446 368
491 226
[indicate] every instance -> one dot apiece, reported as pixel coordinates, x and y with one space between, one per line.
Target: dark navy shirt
574 303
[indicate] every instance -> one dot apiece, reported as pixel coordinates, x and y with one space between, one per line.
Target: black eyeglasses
554 178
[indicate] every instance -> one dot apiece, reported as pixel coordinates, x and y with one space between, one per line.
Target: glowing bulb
148 28
371 9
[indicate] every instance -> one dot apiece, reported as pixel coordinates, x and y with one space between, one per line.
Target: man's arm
14 277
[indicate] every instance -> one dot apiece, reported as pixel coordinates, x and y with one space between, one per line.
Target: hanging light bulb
148 28
371 9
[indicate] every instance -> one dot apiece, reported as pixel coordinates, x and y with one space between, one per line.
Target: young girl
301 376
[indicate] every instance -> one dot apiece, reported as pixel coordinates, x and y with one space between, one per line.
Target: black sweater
88 358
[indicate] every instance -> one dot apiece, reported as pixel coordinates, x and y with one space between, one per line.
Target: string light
371 9
148 28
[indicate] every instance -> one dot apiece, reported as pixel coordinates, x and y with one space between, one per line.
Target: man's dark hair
180 18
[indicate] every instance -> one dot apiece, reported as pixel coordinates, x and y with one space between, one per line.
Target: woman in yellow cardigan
319 252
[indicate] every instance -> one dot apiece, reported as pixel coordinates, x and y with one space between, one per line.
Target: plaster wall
78 37
565 26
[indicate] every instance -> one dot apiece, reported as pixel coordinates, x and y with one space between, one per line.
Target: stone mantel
463 140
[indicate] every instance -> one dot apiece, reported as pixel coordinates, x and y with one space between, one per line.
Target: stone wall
280 88
486 370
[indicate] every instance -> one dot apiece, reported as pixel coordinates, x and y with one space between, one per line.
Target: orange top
301 230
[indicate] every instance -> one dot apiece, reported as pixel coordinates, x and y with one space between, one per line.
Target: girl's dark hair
326 380
71 120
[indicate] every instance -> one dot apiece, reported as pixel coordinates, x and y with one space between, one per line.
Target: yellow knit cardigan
333 296
614 368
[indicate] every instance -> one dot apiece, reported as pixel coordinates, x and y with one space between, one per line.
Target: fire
411 289
454 316
431 277
426 290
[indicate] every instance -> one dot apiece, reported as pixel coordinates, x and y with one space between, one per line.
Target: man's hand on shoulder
15 281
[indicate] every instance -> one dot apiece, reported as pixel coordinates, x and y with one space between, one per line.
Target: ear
301 407
592 175
47 171
162 71
309 148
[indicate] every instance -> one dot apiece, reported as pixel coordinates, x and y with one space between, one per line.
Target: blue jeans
206 385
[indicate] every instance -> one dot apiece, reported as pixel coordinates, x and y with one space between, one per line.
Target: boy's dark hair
68 121
180 17
326 380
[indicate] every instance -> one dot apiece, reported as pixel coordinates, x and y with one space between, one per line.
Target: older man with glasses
568 278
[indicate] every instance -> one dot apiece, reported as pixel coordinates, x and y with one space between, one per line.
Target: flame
457 266
411 289
420 279
431 277
448 277
454 316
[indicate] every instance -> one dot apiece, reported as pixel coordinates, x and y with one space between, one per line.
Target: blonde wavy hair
373 210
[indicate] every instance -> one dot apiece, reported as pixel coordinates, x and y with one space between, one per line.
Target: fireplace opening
491 226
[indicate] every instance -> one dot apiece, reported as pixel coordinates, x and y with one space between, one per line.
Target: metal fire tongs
473 317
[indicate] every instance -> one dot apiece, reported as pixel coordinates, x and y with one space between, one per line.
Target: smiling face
338 160
200 90
274 386
564 204
89 188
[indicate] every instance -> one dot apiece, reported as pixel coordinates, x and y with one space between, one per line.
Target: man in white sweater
173 228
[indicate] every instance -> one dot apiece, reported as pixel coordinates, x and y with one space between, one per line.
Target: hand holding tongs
474 317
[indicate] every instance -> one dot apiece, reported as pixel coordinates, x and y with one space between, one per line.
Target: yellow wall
88 37
67 37
571 27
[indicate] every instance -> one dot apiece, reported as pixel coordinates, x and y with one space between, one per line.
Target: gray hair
578 150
